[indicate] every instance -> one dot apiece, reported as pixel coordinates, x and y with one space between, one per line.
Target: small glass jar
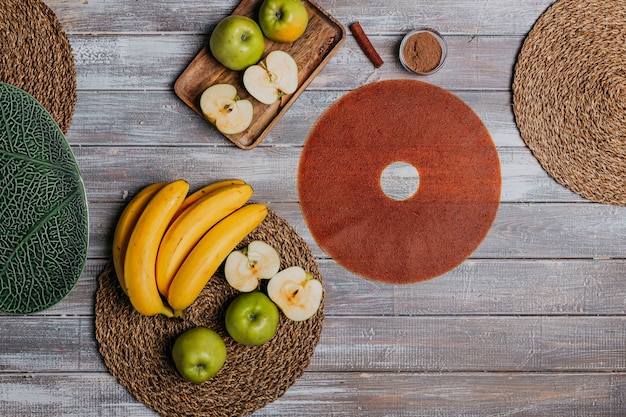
419 50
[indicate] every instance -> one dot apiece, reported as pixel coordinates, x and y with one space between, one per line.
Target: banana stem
167 312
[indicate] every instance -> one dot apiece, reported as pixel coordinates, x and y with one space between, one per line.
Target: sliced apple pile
272 78
221 105
296 293
246 267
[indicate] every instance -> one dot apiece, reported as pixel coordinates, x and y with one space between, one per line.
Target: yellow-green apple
222 106
199 353
237 42
252 318
244 268
296 292
272 78
283 20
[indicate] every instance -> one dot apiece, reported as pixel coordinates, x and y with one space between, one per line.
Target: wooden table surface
533 323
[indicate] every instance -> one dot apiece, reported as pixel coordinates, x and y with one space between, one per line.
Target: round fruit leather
387 240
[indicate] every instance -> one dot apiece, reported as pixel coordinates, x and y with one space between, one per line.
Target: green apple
237 42
252 318
272 78
221 105
244 268
199 354
296 292
283 20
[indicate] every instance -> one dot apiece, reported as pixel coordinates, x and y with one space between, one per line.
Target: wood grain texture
532 324
347 394
371 344
523 180
117 118
563 231
484 17
504 287
154 62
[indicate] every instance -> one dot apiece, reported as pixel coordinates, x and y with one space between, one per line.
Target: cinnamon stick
365 44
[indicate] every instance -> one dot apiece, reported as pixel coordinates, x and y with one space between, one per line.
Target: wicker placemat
136 349
35 55
569 95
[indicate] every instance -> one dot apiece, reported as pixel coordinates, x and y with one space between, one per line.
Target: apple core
399 181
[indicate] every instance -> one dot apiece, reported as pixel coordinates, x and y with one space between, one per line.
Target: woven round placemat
136 349
36 56
569 96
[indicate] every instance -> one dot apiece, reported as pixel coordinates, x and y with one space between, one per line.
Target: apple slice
296 293
221 105
272 78
244 268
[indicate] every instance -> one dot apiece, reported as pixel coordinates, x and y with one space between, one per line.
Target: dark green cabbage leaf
44 229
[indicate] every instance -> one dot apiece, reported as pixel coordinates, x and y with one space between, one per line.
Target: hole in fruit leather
399 181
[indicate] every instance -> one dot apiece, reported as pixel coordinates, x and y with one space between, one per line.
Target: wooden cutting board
312 51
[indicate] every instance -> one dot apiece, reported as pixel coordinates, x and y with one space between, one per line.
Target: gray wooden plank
485 286
112 173
549 287
346 394
538 231
397 16
520 231
154 62
371 344
117 118
66 395
40 344
451 394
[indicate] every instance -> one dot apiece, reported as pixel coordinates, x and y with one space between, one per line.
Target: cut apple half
296 292
244 268
272 78
222 106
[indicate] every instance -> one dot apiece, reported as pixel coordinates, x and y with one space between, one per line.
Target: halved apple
244 268
296 292
272 78
222 106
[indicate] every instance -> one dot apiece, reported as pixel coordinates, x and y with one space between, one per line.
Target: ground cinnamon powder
422 52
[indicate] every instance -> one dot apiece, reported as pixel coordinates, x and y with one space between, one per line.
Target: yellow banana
139 264
197 195
209 254
183 234
125 226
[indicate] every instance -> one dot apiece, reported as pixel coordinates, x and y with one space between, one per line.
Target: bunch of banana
168 244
